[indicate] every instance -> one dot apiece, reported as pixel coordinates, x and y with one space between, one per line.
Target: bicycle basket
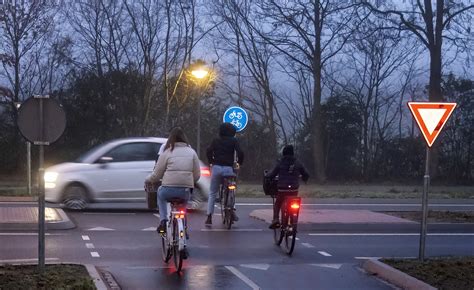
270 185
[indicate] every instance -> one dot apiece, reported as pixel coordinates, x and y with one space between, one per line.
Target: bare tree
432 23
309 33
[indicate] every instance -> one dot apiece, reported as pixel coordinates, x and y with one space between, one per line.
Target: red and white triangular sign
431 117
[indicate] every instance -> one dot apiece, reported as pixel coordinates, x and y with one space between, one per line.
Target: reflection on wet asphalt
195 277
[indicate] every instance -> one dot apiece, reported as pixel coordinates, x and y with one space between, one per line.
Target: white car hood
67 167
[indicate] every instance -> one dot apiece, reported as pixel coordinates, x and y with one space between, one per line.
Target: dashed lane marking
90 246
242 277
157 215
95 255
331 266
86 238
326 254
231 230
307 245
376 258
100 229
149 229
263 267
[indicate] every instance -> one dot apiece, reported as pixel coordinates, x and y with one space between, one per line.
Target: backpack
270 185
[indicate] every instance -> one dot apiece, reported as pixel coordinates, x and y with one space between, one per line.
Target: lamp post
28 159
199 73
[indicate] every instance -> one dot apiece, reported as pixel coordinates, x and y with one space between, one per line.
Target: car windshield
85 155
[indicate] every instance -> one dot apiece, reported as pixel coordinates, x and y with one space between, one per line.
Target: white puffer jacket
177 168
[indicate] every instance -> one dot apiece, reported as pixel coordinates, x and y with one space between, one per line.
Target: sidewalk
359 220
22 214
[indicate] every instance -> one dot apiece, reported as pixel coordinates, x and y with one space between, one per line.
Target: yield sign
431 117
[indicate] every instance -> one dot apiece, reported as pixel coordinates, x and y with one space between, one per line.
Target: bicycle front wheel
177 257
165 249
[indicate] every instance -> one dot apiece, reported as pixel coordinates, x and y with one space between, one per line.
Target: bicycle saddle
176 201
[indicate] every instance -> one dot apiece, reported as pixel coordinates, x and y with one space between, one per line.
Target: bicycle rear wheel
290 237
229 217
279 233
165 249
222 203
177 257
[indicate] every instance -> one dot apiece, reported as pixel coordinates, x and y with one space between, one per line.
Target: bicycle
173 242
227 200
290 210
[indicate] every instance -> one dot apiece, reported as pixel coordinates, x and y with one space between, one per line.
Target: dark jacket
221 151
288 170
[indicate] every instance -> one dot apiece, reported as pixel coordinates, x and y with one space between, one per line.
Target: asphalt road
124 243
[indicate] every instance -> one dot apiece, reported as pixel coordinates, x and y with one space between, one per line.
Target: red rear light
232 186
205 171
295 205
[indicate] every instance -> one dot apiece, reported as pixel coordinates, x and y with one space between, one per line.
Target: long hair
176 135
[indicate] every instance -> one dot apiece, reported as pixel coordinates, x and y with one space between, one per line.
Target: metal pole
198 146
28 167
426 185
41 210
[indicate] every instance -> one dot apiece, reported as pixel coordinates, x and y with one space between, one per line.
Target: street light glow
200 73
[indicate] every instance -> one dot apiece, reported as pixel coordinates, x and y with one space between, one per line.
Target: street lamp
199 73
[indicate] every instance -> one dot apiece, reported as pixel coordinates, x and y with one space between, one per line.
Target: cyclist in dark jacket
288 171
221 157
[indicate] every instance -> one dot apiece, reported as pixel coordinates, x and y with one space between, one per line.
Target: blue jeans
218 172
167 192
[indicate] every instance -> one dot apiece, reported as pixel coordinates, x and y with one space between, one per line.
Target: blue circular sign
237 117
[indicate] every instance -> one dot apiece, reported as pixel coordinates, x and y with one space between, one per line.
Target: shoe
209 219
234 216
162 227
274 225
185 253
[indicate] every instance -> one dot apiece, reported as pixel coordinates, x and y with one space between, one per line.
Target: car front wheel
75 197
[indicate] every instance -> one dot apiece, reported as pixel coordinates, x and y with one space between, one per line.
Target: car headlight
50 176
50 179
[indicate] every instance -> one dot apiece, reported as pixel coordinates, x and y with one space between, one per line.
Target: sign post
237 117
42 121
431 118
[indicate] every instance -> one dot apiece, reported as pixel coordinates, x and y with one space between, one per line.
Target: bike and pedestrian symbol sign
237 117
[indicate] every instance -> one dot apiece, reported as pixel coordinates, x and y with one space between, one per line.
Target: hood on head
227 130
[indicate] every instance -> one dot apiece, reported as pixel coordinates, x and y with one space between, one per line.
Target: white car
112 172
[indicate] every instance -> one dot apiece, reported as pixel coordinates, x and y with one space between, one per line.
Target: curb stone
99 283
109 279
394 276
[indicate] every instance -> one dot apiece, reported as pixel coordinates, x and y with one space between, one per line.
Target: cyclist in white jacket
178 169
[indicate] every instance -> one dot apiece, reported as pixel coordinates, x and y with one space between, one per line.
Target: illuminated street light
199 73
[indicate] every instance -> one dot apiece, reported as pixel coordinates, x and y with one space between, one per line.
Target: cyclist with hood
288 169
221 156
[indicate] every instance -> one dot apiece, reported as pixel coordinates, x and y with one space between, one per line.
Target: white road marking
232 230
365 204
376 258
326 254
95 255
30 234
243 277
256 266
307 245
297 238
389 234
90 246
25 260
157 215
109 213
331 266
86 238
100 229
150 229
